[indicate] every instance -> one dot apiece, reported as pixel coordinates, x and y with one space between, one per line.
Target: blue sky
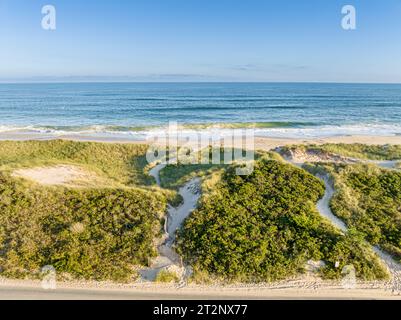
201 40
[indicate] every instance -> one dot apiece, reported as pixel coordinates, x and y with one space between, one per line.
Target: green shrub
175 175
167 276
264 227
88 233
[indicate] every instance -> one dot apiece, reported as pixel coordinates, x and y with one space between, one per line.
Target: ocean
132 110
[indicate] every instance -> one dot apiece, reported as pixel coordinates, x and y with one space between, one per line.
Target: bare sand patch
300 156
55 175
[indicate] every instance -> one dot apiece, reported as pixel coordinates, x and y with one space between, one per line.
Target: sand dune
55 175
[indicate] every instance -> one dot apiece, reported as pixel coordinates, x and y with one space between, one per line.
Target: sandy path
393 267
168 258
323 205
190 193
155 172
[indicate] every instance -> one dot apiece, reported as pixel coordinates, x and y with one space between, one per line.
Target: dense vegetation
260 227
369 200
264 227
87 233
100 232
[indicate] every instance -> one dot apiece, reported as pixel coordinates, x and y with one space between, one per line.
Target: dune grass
122 164
369 199
364 151
166 276
355 150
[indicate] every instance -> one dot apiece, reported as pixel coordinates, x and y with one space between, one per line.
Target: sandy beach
262 143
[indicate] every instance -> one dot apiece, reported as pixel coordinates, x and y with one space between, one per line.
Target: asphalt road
37 293
29 293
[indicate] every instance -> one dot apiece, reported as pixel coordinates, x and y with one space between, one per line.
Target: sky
201 40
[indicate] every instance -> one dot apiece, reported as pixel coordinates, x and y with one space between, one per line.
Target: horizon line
177 82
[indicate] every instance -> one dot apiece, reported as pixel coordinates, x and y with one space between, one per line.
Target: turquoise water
133 109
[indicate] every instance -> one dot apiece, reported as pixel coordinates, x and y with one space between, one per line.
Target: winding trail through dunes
323 207
168 259
190 193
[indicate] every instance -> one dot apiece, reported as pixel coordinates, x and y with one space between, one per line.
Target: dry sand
55 175
265 143
167 258
260 142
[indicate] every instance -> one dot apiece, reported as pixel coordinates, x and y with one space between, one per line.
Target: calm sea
131 110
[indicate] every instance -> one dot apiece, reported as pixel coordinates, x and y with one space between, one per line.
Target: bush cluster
265 227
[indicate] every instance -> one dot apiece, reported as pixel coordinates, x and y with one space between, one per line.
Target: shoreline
260 142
